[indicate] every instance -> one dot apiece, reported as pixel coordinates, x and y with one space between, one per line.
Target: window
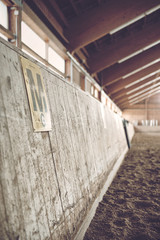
3 17
56 60
92 90
96 93
32 40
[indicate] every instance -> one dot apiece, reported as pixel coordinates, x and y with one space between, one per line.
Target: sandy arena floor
130 209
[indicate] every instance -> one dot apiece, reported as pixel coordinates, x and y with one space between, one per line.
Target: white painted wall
49 180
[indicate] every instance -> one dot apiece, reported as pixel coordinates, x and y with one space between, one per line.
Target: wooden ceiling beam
139 75
60 13
74 7
124 91
124 47
138 92
117 71
48 14
6 32
137 98
99 21
150 94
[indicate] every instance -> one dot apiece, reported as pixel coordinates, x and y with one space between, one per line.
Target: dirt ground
130 209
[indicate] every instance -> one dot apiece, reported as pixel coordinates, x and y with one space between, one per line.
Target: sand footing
130 209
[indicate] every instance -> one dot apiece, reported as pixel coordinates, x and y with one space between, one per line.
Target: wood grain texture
49 180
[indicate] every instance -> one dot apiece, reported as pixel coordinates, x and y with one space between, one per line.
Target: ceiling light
139 69
143 95
149 95
149 88
143 85
134 19
126 24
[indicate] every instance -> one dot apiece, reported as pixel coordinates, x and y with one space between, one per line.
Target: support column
68 70
82 81
15 18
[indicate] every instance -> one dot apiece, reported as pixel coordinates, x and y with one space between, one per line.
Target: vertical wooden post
19 20
46 50
68 69
82 81
15 18
100 95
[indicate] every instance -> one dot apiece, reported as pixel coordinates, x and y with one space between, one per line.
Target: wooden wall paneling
71 167
78 153
56 110
89 131
102 135
103 131
73 120
112 151
82 138
10 196
100 126
97 138
74 192
45 213
54 208
40 193
83 101
107 134
81 112
83 104
95 121
48 184
3 220
18 158
33 154
35 157
53 177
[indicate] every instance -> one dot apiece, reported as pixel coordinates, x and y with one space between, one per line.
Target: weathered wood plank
9 120
56 144
80 178
50 179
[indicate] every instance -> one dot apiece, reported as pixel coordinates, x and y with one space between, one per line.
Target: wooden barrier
50 179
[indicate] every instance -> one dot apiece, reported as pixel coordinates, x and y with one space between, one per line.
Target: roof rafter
124 91
145 95
148 94
104 19
60 13
117 71
124 47
153 69
137 93
50 17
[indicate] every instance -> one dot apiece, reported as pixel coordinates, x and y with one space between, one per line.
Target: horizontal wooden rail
7 33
